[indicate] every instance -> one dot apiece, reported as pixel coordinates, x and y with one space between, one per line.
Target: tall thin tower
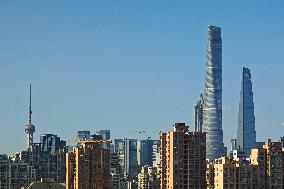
212 110
198 114
30 128
246 139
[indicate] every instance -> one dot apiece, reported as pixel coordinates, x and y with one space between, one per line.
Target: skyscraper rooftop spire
30 109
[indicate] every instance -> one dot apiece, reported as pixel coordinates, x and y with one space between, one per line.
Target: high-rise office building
146 151
156 153
83 135
105 136
127 152
182 159
88 167
198 114
51 143
212 110
246 139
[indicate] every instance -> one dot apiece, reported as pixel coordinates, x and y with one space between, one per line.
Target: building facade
264 169
212 109
105 136
15 173
116 171
88 167
146 151
48 158
228 173
246 135
127 152
147 178
51 143
182 159
270 160
83 135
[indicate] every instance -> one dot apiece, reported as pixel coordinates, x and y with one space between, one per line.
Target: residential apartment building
15 173
182 159
231 174
263 170
270 160
88 167
147 178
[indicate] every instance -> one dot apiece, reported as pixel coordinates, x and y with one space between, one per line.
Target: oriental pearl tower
30 128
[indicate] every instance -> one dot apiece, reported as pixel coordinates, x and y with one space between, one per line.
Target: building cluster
264 169
179 159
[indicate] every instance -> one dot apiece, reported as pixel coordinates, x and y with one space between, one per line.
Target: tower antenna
30 109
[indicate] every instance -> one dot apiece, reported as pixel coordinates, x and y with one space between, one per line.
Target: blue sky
133 65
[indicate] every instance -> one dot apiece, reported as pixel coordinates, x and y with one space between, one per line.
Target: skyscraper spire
30 110
30 128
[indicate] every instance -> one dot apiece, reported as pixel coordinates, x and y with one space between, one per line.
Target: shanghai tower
246 139
212 110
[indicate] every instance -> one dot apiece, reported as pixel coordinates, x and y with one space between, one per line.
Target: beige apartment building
147 178
88 167
263 170
270 160
182 159
230 174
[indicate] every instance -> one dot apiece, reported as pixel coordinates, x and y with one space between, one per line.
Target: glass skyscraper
127 152
212 110
105 136
246 139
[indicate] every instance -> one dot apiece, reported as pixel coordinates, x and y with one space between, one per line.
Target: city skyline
123 73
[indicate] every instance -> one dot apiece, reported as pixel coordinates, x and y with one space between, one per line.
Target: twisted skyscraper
212 110
246 121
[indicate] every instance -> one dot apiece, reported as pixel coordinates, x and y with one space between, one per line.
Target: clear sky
133 65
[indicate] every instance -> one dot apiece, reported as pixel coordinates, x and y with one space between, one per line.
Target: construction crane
94 141
146 133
